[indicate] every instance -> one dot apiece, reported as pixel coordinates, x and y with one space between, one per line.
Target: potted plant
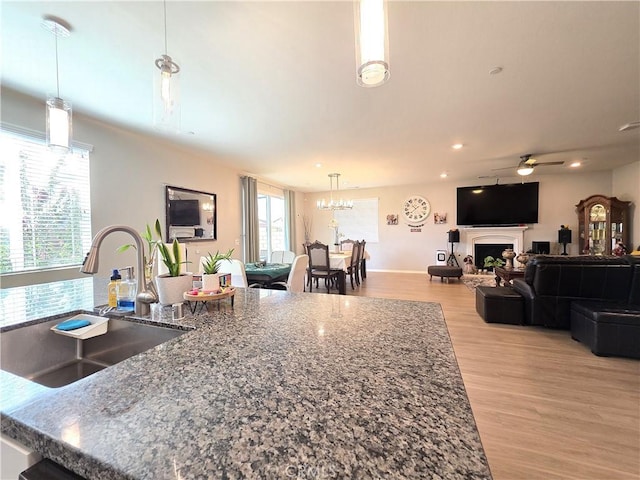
490 262
210 266
171 286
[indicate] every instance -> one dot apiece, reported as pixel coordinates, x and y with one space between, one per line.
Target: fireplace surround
492 236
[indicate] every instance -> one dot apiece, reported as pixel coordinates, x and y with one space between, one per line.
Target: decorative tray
98 326
205 297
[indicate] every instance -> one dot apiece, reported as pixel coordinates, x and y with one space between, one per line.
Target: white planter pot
210 282
171 289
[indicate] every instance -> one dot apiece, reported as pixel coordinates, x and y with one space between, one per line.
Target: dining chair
362 268
319 266
238 274
354 265
282 256
346 245
296 281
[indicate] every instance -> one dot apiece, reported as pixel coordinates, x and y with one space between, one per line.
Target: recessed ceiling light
443 175
629 126
575 164
457 146
318 165
495 71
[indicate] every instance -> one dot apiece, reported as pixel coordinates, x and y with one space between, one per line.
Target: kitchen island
278 386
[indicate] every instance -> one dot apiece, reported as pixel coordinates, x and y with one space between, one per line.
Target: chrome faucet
90 265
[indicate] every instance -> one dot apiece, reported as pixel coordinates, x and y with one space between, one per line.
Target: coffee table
507 274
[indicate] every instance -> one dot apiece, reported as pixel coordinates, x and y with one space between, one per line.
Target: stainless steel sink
40 355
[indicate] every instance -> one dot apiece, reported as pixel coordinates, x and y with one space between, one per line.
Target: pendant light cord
165 27
55 34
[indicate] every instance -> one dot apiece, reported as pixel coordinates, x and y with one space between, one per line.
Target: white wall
401 249
626 186
129 170
128 175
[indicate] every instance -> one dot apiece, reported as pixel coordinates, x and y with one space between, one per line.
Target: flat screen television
489 205
184 213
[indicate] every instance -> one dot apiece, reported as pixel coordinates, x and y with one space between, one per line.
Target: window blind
45 204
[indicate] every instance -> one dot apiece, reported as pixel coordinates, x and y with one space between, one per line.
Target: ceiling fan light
525 170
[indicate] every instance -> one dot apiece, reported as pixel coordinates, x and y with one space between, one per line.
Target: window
45 204
271 219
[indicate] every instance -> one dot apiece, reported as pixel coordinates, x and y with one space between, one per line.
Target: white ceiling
270 86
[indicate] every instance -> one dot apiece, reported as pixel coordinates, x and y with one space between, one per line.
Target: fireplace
482 250
499 237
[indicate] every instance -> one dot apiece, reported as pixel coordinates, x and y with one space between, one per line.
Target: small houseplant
210 266
172 285
490 262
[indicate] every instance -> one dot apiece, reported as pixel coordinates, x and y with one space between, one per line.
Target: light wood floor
545 406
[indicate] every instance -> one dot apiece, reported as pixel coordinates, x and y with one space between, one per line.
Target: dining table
266 274
340 261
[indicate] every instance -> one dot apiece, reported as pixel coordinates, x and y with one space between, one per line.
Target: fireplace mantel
482 235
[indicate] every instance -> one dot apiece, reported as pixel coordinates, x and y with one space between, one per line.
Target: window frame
45 274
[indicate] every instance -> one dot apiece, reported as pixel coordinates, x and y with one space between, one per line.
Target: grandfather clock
602 223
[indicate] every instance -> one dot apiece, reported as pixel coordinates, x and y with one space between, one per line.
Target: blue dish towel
73 324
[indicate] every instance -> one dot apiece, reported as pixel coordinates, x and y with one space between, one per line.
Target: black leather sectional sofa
552 282
597 297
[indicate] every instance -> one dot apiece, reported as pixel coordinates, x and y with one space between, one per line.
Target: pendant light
166 91
58 111
372 42
334 204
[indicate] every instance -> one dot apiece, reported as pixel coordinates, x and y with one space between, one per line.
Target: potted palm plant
210 267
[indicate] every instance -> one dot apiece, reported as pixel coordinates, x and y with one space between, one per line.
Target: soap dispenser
112 288
127 290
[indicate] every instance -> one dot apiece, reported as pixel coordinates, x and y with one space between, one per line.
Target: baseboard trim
422 272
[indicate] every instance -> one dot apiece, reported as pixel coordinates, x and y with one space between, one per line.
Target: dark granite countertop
280 386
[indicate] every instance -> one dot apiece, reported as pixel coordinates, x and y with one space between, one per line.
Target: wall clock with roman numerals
415 210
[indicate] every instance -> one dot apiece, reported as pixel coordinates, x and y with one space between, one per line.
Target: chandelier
334 204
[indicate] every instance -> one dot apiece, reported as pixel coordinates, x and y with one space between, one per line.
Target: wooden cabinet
602 223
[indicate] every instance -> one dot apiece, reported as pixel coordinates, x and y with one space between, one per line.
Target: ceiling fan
528 164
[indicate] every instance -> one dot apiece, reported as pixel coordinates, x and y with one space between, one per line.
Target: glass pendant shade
58 111
59 120
372 42
166 94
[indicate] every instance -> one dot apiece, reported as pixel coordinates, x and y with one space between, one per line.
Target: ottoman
608 329
500 305
444 271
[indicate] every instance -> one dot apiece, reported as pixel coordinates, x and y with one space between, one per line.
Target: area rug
472 281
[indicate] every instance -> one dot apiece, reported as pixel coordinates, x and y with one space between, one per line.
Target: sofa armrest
523 288
527 293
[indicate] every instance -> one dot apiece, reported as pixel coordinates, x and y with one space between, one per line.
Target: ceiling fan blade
502 168
546 163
